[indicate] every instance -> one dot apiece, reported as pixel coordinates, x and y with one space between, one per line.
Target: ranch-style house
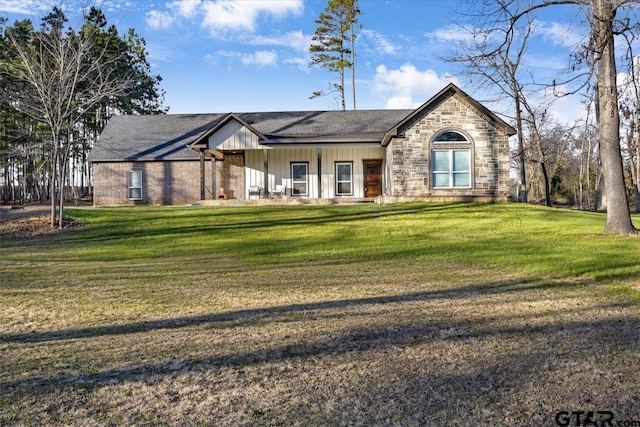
450 148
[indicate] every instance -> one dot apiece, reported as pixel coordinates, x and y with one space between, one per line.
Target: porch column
214 189
202 187
265 190
319 172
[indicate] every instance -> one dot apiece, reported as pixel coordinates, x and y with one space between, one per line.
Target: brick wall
230 175
163 182
409 157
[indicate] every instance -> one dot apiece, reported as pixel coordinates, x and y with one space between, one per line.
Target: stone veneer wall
163 182
409 157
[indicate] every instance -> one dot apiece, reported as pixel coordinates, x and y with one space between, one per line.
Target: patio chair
278 192
254 190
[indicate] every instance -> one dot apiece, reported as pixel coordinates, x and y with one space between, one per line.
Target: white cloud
405 83
185 8
563 108
379 41
25 7
401 102
293 39
453 33
261 58
301 63
241 15
159 20
559 33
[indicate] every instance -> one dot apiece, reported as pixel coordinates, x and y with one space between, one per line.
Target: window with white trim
299 179
344 178
451 160
451 168
134 185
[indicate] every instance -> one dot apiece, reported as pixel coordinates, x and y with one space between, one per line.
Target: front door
372 177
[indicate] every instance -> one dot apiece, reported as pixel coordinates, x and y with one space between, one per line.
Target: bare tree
63 78
602 17
493 54
630 115
602 38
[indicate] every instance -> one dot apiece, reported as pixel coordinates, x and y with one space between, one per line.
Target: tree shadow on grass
441 391
315 215
259 313
563 361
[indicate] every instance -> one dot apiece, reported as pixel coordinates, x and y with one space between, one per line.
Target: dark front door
372 178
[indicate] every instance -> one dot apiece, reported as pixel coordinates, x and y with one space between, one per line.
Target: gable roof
312 127
173 136
177 136
153 137
448 91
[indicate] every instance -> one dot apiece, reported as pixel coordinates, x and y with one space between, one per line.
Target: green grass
417 313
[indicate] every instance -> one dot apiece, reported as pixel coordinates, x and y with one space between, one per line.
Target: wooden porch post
214 189
265 190
319 173
202 186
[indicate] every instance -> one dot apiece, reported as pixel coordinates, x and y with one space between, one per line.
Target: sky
252 55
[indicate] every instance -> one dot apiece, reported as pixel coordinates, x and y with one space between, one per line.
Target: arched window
451 160
450 136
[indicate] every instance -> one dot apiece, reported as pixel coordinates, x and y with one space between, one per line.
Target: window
299 179
450 136
344 179
451 168
134 185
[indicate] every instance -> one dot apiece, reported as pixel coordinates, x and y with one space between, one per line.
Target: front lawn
407 314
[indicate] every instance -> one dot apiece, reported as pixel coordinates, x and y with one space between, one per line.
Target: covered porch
291 173
249 164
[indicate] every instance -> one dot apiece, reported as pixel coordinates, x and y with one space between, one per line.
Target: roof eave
323 139
393 132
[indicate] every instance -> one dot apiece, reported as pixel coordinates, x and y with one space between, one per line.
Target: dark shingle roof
312 123
154 137
165 137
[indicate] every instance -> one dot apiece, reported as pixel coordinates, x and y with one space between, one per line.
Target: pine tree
333 44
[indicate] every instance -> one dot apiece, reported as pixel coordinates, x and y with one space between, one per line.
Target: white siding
280 167
253 169
234 136
347 154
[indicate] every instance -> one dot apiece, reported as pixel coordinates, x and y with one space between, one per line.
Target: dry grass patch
326 340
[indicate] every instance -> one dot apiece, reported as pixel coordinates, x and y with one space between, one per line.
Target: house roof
275 128
153 137
447 92
173 136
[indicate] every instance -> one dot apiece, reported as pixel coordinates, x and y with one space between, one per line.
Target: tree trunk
52 183
523 173
547 190
52 196
353 66
618 214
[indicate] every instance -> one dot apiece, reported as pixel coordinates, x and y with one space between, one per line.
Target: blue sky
226 55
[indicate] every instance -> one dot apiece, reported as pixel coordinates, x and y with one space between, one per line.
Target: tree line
593 163
58 88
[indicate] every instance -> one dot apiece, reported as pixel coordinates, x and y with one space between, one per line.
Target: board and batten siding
234 136
280 160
